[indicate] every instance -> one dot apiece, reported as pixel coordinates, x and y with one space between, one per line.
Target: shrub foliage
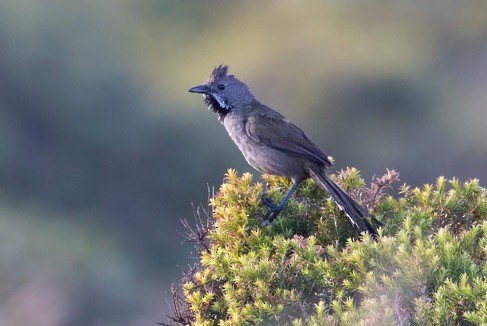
428 266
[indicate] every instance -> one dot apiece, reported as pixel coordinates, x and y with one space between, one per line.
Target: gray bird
272 144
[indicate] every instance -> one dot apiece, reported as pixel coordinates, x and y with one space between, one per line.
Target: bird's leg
274 209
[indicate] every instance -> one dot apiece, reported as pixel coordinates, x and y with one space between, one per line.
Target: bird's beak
202 89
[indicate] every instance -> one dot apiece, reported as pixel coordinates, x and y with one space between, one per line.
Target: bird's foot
265 223
270 216
268 201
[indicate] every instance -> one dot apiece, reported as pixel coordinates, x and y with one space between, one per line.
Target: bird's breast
235 126
259 156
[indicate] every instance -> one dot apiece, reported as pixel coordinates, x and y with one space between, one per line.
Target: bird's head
223 92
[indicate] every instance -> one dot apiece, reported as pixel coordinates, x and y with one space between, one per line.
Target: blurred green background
102 150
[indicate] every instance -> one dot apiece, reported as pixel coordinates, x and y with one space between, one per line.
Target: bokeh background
103 151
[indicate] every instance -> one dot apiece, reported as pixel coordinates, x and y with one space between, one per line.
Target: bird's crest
219 72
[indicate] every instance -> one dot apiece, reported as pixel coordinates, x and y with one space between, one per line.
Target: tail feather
355 212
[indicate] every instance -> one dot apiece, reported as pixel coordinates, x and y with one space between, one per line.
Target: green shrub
428 266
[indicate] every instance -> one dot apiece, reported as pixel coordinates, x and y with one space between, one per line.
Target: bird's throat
217 105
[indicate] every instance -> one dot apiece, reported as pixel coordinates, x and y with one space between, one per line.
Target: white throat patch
223 104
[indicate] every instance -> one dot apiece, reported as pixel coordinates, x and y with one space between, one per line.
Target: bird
274 145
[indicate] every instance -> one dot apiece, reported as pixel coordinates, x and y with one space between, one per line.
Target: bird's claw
265 223
270 216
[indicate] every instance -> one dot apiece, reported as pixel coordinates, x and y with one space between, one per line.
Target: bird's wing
271 129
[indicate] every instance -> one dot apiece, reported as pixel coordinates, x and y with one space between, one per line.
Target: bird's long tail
355 212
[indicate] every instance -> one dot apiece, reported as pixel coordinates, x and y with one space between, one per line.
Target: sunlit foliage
428 266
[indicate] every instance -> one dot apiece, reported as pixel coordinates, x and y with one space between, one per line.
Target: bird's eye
221 87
